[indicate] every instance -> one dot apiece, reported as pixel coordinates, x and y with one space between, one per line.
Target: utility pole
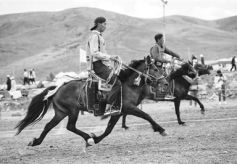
164 2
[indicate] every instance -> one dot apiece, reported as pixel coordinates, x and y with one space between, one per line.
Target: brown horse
71 98
181 88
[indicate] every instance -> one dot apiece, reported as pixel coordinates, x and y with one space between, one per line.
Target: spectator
34 76
25 75
219 82
31 77
13 84
202 59
194 60
233 64
8 82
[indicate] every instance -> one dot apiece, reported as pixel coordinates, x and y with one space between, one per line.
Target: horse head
203 69
185 69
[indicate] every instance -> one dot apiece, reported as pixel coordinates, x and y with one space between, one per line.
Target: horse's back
71 91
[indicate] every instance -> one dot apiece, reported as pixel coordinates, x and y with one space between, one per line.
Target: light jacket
157 53
96 48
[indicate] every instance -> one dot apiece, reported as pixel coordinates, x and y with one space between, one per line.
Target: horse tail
36 110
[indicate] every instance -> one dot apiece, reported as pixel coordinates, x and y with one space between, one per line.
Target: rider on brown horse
101 64
158 52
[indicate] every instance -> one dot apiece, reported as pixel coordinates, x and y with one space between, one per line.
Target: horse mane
203 69
179 72
124 74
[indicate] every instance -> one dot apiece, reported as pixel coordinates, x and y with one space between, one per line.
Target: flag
82 56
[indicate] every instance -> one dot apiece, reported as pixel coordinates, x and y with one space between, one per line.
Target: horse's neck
138 92
178 79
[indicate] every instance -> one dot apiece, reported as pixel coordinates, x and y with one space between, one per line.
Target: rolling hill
49 41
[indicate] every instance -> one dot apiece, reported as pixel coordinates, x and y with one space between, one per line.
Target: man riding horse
101 64
158 52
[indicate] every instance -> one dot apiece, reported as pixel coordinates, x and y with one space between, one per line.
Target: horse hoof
125 127
90 142
182 123
163 134
203 112
92 135
31 143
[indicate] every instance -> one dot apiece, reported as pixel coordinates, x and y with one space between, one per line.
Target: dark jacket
233 61
9 86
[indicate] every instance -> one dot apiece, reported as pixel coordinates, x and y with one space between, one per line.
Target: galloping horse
181 89
71 97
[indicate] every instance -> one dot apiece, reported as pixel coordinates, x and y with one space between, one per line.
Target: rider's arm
158 57
167 51
94 49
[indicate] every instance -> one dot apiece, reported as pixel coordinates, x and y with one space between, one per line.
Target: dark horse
71 97
181 89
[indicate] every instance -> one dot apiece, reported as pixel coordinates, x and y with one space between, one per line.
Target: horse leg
139 113
50 125
124 122
112 122
189 97
177 105
71 126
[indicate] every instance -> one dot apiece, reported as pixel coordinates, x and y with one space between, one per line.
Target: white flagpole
79 59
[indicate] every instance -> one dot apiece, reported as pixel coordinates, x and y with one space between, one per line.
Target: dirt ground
209 138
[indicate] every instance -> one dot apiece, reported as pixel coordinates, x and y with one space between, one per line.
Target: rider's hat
97 21
158 36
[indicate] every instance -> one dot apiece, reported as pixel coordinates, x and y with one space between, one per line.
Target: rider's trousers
103 72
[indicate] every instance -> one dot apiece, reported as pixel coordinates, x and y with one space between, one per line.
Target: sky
203 9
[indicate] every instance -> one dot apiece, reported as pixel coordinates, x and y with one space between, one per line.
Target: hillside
49 41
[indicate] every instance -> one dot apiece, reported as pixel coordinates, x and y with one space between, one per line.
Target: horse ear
190 62
148 59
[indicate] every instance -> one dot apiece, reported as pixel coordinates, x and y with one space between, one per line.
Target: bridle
146 74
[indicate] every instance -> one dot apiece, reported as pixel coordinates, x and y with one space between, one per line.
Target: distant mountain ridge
49 41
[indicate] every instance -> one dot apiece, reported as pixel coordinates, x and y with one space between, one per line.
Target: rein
146 75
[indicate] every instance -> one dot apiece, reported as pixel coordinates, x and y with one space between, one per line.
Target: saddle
159 92
97 91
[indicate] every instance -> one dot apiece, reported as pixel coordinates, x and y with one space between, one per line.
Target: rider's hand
181 59
113 57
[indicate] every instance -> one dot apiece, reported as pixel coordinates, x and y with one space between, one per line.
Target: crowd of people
29 77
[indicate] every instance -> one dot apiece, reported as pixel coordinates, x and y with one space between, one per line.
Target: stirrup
112 113
110 110
169 97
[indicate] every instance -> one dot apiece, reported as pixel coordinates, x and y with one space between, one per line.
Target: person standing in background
25 77
13 84
34 75
233 64
30 77
202 59
8 83
219 82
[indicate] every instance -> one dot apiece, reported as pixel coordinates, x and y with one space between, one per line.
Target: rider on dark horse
158 52
101 64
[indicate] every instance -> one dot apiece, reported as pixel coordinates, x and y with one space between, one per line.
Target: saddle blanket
65 78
